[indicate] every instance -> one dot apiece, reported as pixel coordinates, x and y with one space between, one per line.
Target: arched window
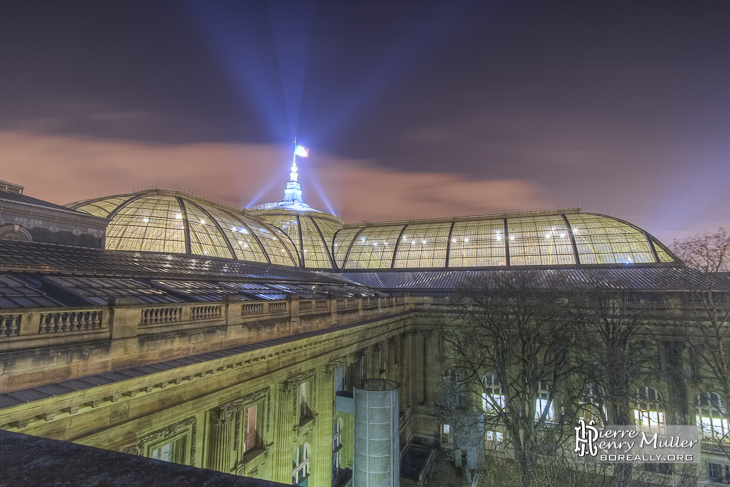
492 399
544 405
300 466
15 233
649 412
712 415
336 446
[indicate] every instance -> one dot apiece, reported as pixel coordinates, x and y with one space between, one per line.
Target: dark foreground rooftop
29 460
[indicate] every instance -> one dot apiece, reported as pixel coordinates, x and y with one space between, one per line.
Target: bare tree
618 343
510 346
704 317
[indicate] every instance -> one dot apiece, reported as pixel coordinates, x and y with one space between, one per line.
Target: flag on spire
301 151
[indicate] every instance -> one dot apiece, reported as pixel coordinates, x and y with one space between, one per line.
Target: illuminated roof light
375 244
205 251
453 240
240 242
562 235
145 220
466 239
245 246
178 216
202 222
413 242
511 237
424 241
233 229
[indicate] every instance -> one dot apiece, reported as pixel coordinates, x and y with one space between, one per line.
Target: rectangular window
303 407
714 472
249 428
172 451
339 380
495 440
544 404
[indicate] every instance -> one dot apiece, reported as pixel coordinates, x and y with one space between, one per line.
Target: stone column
220 440
321 469
284 413
404 371
427 363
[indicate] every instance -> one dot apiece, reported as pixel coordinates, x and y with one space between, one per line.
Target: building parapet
42 345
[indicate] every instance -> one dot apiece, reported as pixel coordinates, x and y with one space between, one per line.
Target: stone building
221 338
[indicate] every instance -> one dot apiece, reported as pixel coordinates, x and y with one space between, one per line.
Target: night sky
410 108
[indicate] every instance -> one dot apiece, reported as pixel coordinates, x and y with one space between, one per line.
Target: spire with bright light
293 191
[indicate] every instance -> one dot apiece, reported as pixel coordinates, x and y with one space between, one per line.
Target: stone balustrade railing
141 333
53 321
71 320
9 325
159 315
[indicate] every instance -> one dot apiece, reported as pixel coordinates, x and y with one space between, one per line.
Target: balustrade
9 325
252 309
64 321
205 312
279 307
153 316
305 306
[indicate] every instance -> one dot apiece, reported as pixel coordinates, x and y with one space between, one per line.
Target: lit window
337 446
492 399
544 405
172 451
495 440
446 429
249 428
300 465
712 415
304 411
648 412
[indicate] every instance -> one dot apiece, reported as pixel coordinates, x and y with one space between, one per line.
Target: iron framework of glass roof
311 232
544 239
174 222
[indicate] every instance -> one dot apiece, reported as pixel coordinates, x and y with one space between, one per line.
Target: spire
293 191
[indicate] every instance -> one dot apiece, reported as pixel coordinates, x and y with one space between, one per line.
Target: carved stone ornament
169 432
330 367
132 450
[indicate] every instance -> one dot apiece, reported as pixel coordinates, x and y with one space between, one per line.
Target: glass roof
311 232
174 222
545 239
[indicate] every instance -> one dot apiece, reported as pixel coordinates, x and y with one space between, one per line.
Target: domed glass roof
175 222
311 231
563 237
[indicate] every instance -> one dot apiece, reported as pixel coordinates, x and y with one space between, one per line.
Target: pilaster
322 461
